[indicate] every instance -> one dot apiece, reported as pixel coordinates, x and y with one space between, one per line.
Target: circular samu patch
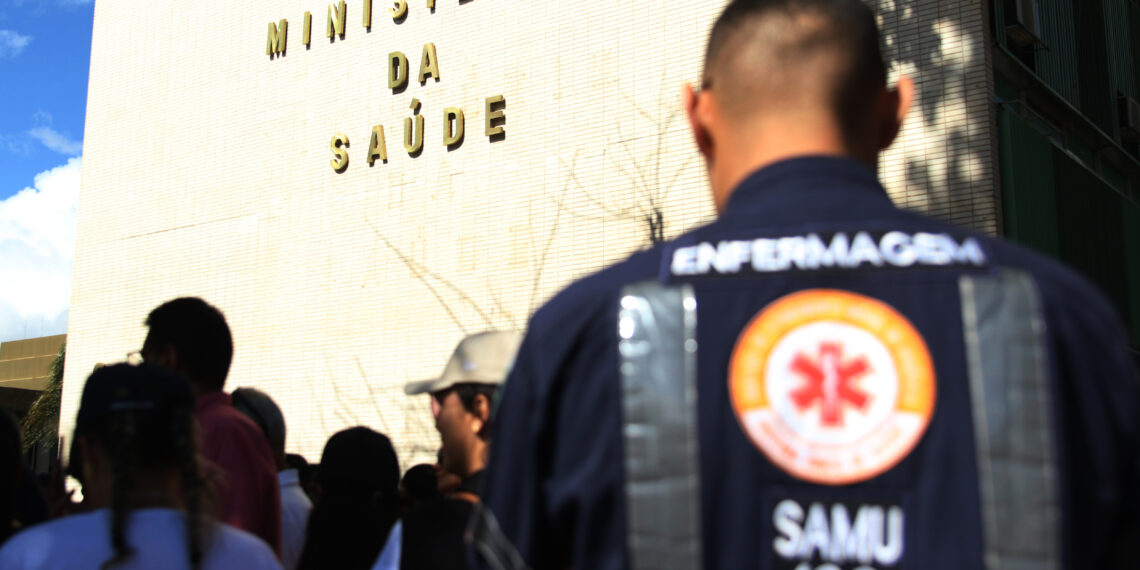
832 386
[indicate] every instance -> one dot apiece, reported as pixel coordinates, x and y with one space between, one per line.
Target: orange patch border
908 350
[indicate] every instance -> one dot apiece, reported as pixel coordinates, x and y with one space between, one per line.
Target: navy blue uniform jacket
555 479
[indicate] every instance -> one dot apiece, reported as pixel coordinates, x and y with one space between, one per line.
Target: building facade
268 156
1067 79
27 391
25 370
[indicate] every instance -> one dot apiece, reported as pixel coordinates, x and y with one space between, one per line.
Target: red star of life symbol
829 379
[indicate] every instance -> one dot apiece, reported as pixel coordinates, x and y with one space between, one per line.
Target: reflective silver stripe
658 354
1012 415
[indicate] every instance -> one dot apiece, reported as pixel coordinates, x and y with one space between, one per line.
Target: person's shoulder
437 510
218 418
73 534
1060 287
232 441
225 420
232 547
293 498
78 524
596 290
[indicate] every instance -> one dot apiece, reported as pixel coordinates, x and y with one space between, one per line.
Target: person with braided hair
138 441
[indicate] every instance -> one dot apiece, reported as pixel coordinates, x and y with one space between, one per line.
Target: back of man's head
198 333
781 56
260 407
421 483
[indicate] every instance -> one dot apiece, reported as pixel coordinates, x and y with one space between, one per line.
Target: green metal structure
1066 77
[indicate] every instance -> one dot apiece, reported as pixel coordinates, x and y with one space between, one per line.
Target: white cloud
11 43
15 144
56 141
37 248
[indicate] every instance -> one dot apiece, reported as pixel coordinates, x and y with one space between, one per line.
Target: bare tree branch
463 296
546 250
320 409
589 196
498 301
418 275
371 395
677 174
624 144
341 400
638 108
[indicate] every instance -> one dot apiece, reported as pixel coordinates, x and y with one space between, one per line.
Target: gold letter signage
276 43
338 144
399 76
337 15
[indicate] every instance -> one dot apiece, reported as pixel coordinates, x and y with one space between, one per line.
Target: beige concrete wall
206 172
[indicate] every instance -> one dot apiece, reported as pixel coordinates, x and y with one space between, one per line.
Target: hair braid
186 450
122 432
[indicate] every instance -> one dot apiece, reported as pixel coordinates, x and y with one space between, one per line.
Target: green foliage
41 425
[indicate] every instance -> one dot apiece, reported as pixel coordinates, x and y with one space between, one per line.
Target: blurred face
446 481
153 353
458 430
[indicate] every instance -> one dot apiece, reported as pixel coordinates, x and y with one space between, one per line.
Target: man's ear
482 411
695 105
482 407
167 357
896 106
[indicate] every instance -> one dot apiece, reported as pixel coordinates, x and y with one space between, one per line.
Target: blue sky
45 52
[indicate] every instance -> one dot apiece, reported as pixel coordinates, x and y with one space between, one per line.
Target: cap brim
423 386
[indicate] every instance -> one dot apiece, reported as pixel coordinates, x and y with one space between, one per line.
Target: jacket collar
797 180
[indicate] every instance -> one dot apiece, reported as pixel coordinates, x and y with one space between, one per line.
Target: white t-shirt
389 558
157 535
295 507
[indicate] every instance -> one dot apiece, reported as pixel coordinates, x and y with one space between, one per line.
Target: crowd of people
177 472
814 380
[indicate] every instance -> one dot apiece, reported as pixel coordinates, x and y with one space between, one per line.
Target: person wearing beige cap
461 400
431 535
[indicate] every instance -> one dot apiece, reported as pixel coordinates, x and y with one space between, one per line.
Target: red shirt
243 472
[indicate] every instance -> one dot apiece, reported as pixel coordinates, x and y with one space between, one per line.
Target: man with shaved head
817 379
785 79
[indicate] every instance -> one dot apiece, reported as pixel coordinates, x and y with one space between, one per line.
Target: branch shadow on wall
916 42
643 181
452 299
